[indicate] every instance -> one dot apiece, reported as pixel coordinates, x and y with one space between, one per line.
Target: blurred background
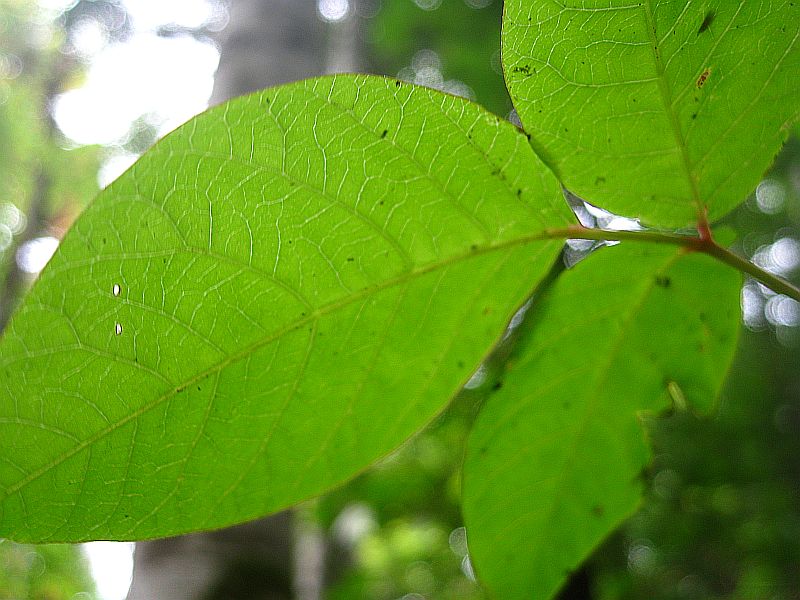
86 86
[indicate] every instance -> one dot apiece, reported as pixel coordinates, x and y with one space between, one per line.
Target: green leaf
555 459
655 109
278 293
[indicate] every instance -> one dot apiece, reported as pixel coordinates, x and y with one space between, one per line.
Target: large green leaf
656 109
555 459
278 293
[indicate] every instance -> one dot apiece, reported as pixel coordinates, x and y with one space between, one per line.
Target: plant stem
706 245
578 232
772 281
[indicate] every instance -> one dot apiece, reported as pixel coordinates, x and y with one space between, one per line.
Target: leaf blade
670 118
561 438
322 263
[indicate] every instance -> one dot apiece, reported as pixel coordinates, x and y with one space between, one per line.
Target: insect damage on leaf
707 21
702 79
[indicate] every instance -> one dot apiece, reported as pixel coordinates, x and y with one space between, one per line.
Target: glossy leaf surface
555 460
656 109
278 293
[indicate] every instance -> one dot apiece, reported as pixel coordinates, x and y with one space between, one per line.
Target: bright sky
165 80
112 566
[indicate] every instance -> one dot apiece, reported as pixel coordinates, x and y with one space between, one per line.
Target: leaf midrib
666 95
313 316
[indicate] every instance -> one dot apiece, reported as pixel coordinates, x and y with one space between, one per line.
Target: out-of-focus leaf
555 458
278 293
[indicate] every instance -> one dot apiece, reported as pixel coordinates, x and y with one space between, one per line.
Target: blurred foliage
36 160
400 521
42 178
721 517
447 44
46 572
33 69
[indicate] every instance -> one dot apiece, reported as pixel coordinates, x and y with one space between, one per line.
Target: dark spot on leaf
524 69
497 386
198 388
460 364
598 510
350 259
707 21
528 135
663 281
266 99
383 135
519 192
694 115
599 179
381 202
487 310
473 247
703 317
104 240
702 79
397 83
566 405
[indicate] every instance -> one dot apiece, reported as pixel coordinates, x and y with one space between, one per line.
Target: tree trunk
268 42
